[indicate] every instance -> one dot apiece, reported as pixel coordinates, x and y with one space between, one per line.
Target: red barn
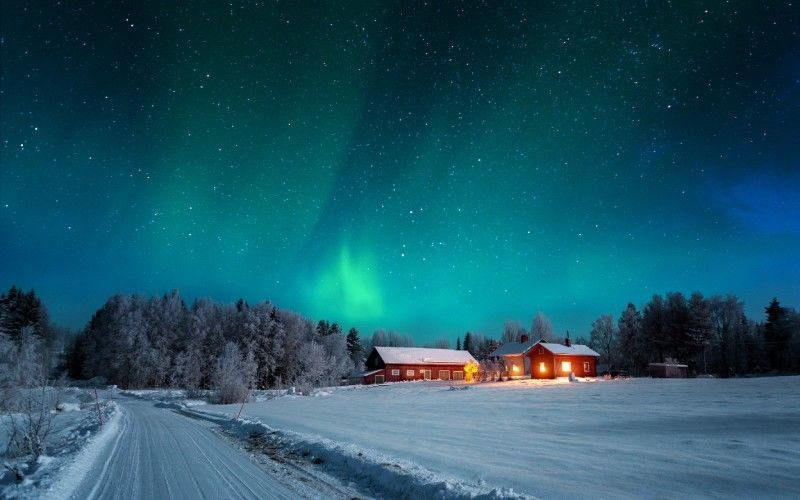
395 364
559 360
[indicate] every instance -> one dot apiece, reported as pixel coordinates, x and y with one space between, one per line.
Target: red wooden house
549 360
395 364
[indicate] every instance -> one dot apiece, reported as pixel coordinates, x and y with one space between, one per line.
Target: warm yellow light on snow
470 369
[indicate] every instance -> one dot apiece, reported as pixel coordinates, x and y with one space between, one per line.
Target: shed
395 364
668 370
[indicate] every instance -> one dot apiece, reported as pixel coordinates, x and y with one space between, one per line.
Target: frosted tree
314 366
233 375
188 372
440 343
337 358
541 328
512 332
604 338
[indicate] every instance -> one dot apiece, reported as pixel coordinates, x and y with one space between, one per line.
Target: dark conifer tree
468 343
777 331
354 348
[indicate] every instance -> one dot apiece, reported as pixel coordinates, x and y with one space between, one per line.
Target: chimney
567 342
523 338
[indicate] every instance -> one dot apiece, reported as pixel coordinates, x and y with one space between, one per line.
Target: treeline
711 335
135 341
29 343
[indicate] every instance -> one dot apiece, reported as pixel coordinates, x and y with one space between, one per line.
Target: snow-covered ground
628 438
70 447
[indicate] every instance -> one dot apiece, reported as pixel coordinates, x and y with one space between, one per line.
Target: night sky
421 168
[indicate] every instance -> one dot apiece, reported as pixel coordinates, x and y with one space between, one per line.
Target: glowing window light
542 367
566 366
515 368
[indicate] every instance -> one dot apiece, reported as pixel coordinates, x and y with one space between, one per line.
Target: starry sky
421 167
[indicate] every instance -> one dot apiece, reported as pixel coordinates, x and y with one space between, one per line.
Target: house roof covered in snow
574 349
512 348
422 356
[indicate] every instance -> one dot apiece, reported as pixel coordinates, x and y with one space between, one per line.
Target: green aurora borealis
422 168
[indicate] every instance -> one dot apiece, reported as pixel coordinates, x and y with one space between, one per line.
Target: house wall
515 360
553 364
417 375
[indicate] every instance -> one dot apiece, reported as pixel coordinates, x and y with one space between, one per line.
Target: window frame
460 375
587 366
444 371
409 373
395 372
382 377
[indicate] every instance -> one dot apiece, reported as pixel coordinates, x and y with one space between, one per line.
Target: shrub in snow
233 376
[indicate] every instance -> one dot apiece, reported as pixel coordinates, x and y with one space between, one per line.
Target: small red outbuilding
559 360
395 364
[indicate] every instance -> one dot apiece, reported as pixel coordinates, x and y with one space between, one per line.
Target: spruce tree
777 331
458 343
468 342
354 348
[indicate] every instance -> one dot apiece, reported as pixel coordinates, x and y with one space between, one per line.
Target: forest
135 341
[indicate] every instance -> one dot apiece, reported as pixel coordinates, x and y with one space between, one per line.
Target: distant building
668 370
395 364
548 360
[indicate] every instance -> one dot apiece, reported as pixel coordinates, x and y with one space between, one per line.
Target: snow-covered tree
541 328
233 375
512 332
604 338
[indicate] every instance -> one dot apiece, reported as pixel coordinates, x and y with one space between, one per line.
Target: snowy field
631 438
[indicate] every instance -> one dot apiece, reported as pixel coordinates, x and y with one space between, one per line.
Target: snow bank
71 476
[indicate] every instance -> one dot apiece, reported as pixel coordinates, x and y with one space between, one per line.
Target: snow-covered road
161 454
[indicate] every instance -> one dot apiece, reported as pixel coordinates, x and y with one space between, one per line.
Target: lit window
566 366
542 367
515 368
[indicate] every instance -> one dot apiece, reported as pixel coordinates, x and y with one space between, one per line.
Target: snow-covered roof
510 348
574 349
422 355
